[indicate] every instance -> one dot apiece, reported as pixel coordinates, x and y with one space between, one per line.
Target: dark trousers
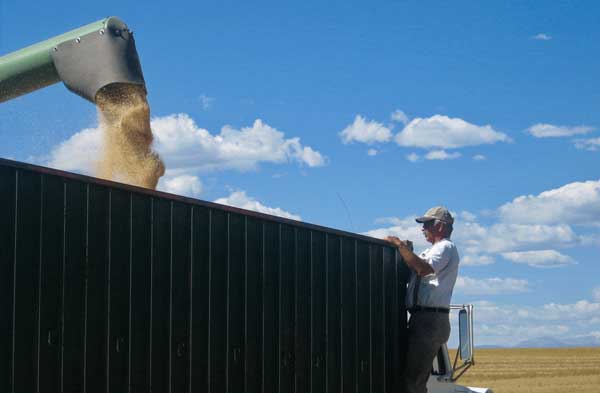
427 331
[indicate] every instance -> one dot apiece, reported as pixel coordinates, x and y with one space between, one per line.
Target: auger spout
86 59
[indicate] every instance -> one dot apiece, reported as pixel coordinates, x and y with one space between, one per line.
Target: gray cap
437 213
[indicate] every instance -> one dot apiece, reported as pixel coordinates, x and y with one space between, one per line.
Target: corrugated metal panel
110 288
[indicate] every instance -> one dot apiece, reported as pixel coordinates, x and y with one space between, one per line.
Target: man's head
437 224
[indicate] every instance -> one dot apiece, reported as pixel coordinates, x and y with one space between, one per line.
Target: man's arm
410 258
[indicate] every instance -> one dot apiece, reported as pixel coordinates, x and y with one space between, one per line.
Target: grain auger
86 60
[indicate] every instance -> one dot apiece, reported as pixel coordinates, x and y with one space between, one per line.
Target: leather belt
429 309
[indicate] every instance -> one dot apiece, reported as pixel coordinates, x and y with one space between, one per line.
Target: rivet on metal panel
78 40
101 32
289 360
363 366
181 348
237 351
284 360
119 344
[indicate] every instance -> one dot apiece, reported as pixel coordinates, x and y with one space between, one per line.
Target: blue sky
387 109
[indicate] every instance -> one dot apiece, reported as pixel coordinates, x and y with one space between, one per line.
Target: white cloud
540 258
441 155
79 153
187 185
490 286
442 132
206 101
476 260
372 152
365 131
581 309
189 150
399 116
475 238
308 156
576 203
596 294
542 37
467 216
591 144
185 146
479 157
243 201
478 243
542 130
403 228
506 324
413 157
488 312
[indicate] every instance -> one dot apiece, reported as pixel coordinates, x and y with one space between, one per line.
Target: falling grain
127 154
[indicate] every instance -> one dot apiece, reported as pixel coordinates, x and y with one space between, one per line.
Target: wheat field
535 370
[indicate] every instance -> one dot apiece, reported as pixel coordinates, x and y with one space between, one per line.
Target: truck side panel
7 270
107 287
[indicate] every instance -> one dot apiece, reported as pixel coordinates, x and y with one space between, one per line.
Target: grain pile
127 154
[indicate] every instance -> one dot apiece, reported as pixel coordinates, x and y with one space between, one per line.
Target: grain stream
127 154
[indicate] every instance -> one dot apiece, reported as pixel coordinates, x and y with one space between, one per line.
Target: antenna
347 210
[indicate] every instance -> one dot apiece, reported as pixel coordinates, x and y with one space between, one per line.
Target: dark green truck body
110 288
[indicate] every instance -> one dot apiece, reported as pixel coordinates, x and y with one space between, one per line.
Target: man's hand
407 244
405 248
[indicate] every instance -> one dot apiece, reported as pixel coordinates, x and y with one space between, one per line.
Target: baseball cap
437 213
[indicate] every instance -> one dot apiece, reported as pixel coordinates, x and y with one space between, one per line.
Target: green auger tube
85 59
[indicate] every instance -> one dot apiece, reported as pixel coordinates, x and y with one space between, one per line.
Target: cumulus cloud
435 134
542 37
575 203
403 228
467 216
183 145
365 131
476 260
542 130
539 258
476 238
443 132
79 153
441 155
499 324
478 243
243 201
489 312
187 185
490 286
479 157
187 148
413 157
591 144
372 152
399 116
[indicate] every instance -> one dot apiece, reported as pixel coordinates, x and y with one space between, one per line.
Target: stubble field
533 370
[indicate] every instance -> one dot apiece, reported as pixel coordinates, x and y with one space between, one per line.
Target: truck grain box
106 287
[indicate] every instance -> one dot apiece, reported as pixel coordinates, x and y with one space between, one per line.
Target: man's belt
428 309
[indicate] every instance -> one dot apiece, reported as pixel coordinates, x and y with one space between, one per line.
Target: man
428 295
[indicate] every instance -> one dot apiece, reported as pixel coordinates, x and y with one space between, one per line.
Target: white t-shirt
435 290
